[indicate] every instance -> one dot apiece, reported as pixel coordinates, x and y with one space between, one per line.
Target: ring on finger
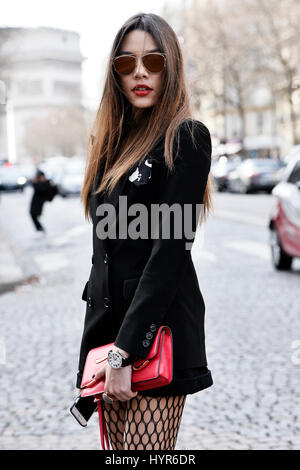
107 398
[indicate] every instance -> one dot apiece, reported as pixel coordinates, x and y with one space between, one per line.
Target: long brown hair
123 139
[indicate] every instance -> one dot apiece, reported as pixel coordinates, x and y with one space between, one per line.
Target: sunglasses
125 64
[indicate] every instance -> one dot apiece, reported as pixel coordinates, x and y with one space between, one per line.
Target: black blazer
136 285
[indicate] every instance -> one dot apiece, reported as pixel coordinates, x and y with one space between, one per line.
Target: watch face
114 359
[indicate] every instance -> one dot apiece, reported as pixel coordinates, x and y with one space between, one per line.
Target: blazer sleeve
161 276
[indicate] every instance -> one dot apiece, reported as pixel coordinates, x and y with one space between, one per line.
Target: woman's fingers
122 396
118 383
100 373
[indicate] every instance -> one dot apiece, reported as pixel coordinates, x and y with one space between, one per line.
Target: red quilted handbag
156 370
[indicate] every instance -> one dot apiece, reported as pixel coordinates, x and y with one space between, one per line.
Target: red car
284 223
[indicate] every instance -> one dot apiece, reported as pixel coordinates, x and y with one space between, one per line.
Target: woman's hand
117 382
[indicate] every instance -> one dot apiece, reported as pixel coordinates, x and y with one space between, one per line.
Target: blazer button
149 335
146 343
152 327
106 302
90 302
105 258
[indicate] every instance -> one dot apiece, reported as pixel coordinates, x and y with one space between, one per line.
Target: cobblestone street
252 320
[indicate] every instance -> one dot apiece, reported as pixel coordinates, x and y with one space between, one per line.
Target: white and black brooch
142 174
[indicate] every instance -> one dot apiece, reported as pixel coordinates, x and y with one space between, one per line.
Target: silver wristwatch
117 361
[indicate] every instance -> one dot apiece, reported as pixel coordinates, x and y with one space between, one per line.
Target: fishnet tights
144 423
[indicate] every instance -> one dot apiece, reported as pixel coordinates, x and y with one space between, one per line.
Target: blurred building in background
43 114
242 68
243 71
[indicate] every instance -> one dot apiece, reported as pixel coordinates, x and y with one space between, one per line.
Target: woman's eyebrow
147 52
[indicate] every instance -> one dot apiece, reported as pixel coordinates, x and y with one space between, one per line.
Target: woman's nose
139 67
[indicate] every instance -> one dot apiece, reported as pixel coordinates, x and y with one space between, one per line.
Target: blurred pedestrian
44 190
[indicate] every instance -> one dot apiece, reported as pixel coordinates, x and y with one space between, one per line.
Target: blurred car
221 171
72 178
295 150
12 178
27 170
256 174
284 222
3 160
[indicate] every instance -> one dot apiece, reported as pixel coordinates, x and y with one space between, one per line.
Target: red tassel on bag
156 370
102 426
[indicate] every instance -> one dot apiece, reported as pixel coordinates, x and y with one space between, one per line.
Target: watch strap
129 360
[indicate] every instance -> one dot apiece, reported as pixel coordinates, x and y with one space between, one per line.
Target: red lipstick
141 89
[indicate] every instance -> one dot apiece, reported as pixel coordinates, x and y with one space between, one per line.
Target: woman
147 149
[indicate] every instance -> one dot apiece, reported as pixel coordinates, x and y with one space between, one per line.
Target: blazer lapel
113 200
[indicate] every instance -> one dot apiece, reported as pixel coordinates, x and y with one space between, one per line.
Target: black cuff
79 379
130 360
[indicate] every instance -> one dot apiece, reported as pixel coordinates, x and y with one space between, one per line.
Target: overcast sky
97 21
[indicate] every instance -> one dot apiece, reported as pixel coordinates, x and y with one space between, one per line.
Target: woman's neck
137 115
